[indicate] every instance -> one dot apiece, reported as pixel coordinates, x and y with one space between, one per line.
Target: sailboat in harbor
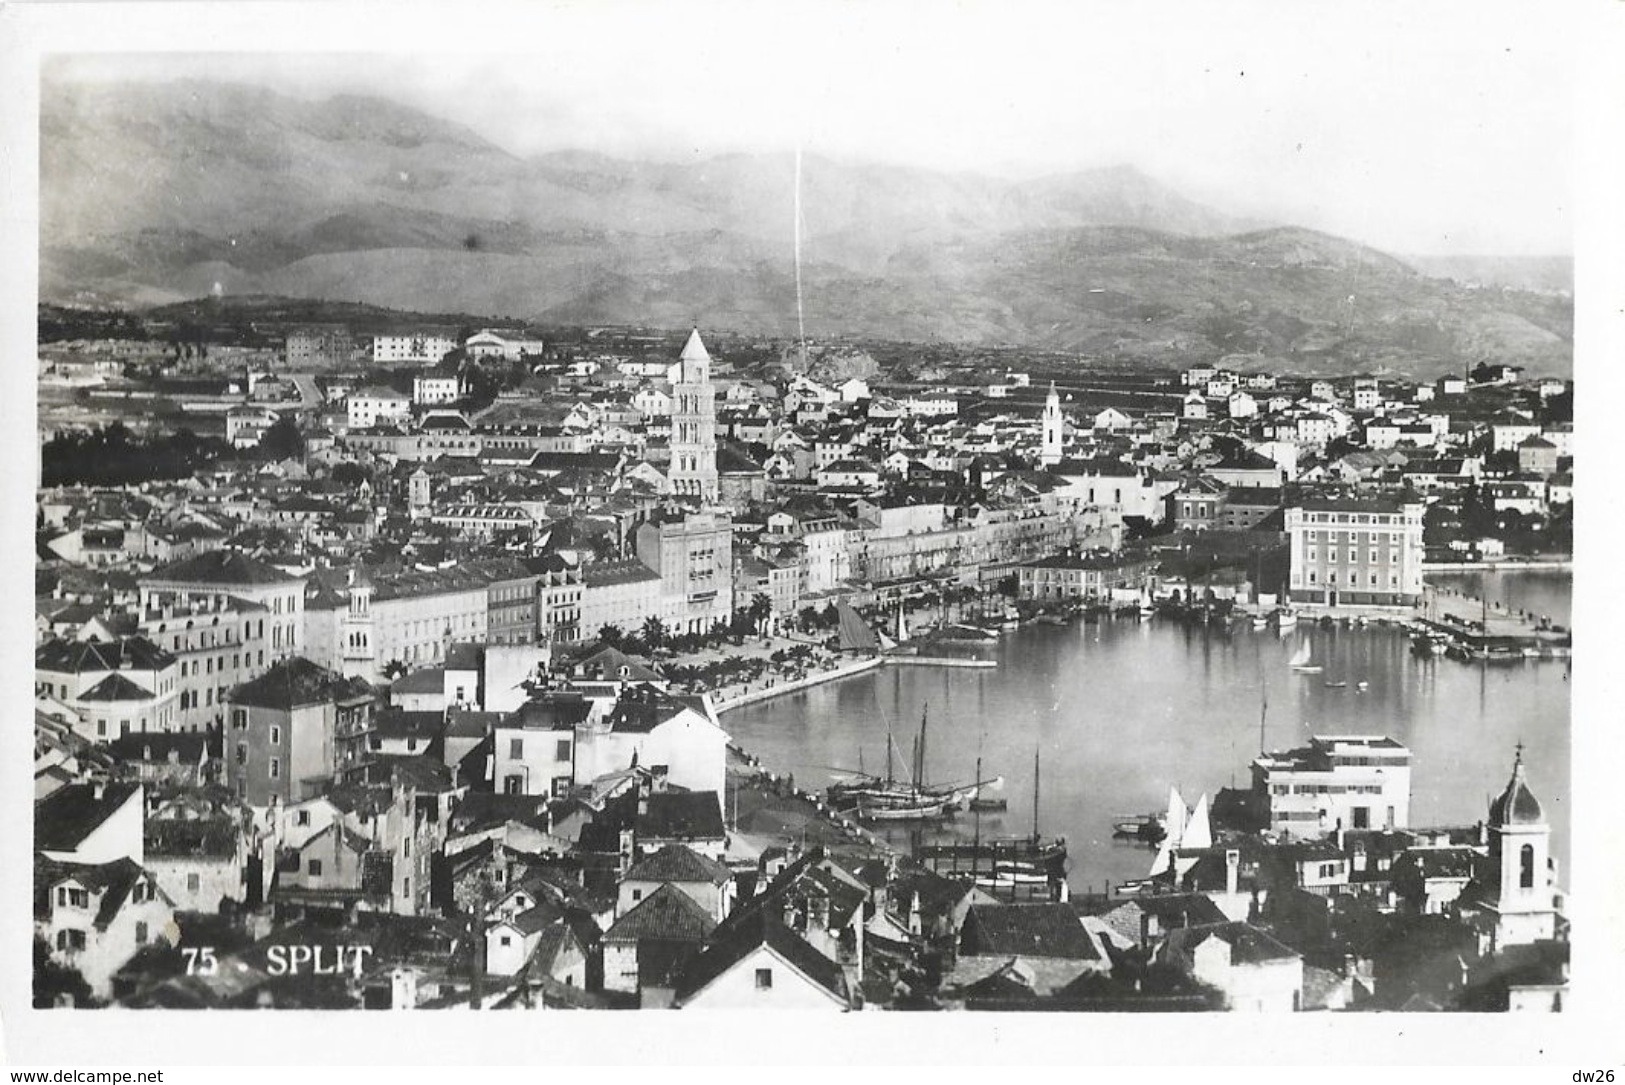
913 799
1301 661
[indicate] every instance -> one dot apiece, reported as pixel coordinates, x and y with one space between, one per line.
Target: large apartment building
693 556
1356 551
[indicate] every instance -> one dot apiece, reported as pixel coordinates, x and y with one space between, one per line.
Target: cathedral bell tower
693 470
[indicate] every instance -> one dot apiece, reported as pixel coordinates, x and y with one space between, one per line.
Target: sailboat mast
801 322
919 772
1035 796
888 755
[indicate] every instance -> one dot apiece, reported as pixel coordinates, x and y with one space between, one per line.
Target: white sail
1174 823
1164 859
1301 656
1198 832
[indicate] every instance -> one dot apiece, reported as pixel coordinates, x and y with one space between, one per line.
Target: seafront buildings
440 653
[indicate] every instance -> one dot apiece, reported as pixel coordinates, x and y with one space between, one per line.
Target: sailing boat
915 800
1173 824
1300 661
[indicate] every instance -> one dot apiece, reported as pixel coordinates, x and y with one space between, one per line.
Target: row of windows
1353 580
1326 789
1354 556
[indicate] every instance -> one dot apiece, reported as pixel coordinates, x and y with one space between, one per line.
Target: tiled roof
741 940
64 818
677 863
294 682
187 746
683 815
1248 944
115 687
1032 930
221 567
77 657
668 914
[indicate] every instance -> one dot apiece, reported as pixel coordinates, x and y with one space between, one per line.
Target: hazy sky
1447 129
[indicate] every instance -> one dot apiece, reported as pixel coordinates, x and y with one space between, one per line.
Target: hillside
157 193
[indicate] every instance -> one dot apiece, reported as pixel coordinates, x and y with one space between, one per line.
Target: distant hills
153 193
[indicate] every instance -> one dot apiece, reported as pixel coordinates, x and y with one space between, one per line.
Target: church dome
1516 805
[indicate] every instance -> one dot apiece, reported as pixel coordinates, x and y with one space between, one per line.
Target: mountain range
154 192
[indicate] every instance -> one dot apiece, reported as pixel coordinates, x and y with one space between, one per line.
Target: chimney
1232 870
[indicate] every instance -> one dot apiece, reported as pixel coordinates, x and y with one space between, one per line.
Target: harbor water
1120 710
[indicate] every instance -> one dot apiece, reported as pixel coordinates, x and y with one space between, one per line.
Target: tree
612 635
394 669
653 632
761 609
282 440
350 474
53 982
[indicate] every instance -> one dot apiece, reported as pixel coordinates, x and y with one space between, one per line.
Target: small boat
1336 685
1129 888
989 806
1300 661
1362 686
1139 826
925 810
1286 619
1261 621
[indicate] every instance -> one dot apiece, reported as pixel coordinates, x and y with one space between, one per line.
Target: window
516 748
314 868
1526 867
276 736
637 894
140 934
69 940
506 940
563 750
406 887
242 753
764 979
302 817
276 768
194 882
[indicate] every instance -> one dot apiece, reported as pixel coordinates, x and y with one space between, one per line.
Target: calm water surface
1121 710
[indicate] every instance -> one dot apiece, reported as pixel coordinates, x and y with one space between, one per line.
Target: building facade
1356 552
694 425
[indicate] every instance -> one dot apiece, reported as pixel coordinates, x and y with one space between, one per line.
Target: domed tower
1054 435
1517 883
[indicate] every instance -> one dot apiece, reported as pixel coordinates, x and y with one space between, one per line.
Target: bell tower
693 470
1053 430
1517 882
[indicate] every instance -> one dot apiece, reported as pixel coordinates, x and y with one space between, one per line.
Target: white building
1337 781
376 406
420 345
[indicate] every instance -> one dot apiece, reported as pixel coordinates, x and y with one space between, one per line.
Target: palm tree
653 631
761 609
394 669
611 635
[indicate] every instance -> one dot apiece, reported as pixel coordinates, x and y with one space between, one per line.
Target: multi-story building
108 689
502 343
288 729
693 555
221 577
1356 551
618 593
413 618
319 346
1096 576
377 406
693 470
217 644
415 345
436 388
1337 781
559 588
